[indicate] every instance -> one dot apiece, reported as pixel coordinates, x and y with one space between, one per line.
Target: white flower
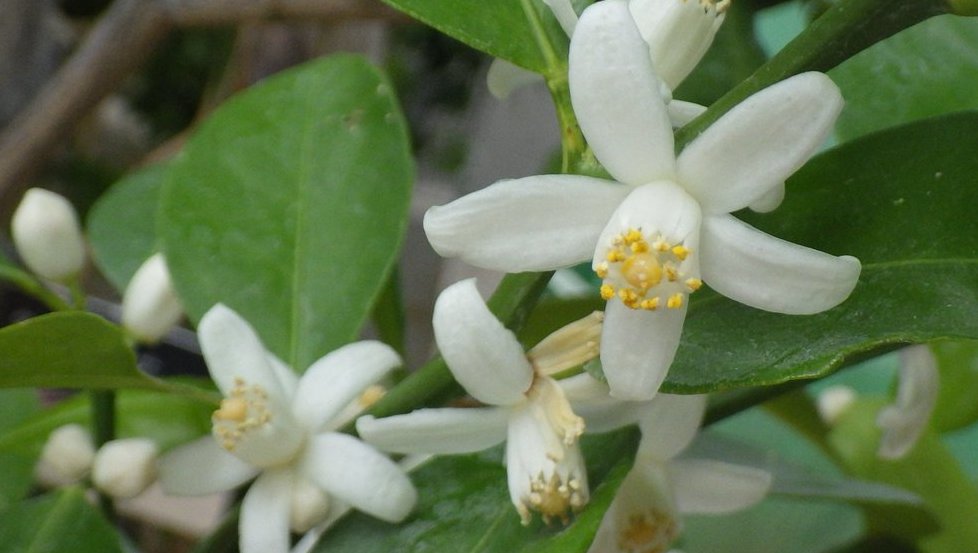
124 468
833 402
66 457
529 410
47 235
645 515
664 224
150 307
904 421
280 428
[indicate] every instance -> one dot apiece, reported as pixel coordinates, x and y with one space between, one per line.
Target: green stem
32 287
103 419
388 313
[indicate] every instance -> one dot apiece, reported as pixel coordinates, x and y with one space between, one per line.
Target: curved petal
201 467
617 96
768 273
234 351
705 486
770 201
681 113
637 348
504 77
670 424
563 10
678 32
359 475
335 380
286 376
760 142
592 401
264 524
437 431
642 516
483 355
904 421
535 223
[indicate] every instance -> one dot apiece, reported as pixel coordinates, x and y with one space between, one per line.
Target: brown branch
223 12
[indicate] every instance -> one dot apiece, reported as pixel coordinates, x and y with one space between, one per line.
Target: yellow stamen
607 292
680 251
693 284
675 301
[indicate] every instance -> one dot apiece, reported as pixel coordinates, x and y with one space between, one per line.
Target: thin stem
103 419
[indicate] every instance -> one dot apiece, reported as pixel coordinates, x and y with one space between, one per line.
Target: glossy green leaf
122 224
17 468
289 205
62 521
464 506
928 69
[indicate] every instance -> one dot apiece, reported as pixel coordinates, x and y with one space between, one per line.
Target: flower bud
124 468
47 235
66 457
150 307
833 402
309 506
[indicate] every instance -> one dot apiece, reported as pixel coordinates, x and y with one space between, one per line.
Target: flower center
555 498
649 532
646 273
242 412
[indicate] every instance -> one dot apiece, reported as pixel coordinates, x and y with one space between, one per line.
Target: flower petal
768 273
504 77
705 486
770 201
483 355
264 524
563 10
617 96
760 142
637 348
670 424
592 401
642 516
678 33
359 475
335 380
286 376
234 351
904 421
437 431
535 223
201 467
681 113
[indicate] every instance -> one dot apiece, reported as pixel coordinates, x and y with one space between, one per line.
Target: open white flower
905 420
645 515
529 410
664 225
280 428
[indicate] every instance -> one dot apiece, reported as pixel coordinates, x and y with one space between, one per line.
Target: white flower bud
834 401
124 468
47 235
150 307
309 506
66 457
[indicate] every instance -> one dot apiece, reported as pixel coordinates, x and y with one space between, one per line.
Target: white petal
437 431
834 401
563 10
335 380
637 348
904 422
642 516
286 376
679 33
201 467
483 355
359 475
504 77
617 97
681 113
592 401
264 524
760 142
768 273
531 224
150 306
705 486
670 424
47 234
233 351
770 201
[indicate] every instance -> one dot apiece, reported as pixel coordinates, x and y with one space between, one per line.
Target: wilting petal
437 431
760 142
681 113
359 475
617 97
201 467
678 32
592 401
535 223
504 77
768 273
637 348
483 355
335 380
642 516
904 422
670 424
706 486
770 201
233 351
264 524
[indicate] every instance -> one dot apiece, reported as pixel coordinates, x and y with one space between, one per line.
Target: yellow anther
371 395
633 236
601 270
693 284
615 256
680 251
650 304
233 409
675 301
671 273
639 247
607 291
661 246
642 271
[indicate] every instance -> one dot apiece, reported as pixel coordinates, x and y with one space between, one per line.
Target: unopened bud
66 457
47 235
150 307
309 506
124 468
834 401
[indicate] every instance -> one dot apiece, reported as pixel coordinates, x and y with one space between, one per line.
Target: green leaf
62 521
928 69
289 205
464 505
122 224
957 362
17 468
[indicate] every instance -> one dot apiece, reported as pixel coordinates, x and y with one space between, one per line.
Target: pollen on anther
650 304
694 284
601 270
607 291
675 301
680 251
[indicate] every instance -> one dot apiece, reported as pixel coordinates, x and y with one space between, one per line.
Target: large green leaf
17 468
122 224
464 506
926 70
63 521
289 205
